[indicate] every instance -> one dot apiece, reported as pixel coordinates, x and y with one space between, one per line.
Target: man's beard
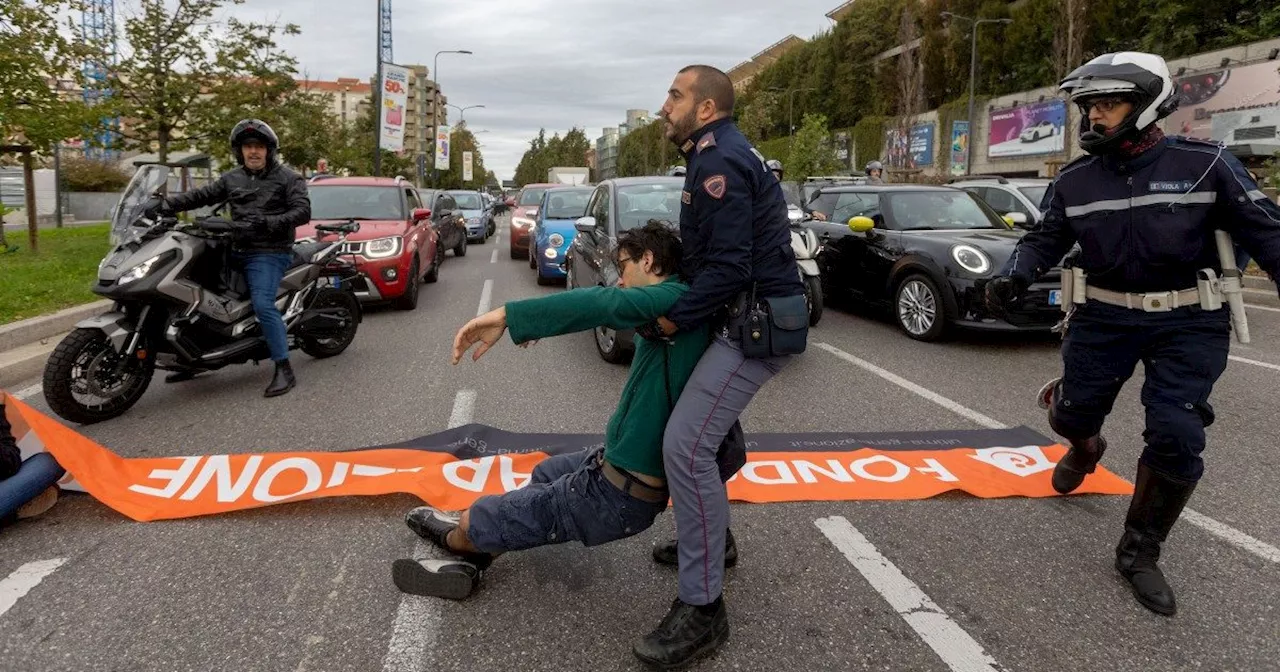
681 129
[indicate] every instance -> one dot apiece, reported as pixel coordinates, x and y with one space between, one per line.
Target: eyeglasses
1104 105
621 263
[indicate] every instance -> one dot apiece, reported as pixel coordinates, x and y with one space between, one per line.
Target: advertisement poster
1027 130
395 96
959 147
1204 94
442 148
466 166
912 150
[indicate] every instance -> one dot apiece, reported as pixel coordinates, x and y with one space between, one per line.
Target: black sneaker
435 525
686 634
448 578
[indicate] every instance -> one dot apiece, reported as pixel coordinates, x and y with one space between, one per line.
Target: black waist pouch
769 327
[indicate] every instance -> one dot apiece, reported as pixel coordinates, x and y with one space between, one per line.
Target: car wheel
409 300
568 274
533 261
461 249
609 347
433 273
918 308
514 253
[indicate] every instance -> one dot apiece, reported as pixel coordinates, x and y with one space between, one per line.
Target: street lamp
462 111
435 118
791 97
973 70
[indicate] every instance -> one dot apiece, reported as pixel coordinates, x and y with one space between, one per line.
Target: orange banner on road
451 469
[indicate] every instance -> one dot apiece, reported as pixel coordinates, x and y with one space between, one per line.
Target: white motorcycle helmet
1142 78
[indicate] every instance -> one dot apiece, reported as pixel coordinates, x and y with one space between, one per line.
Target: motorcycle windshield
145 183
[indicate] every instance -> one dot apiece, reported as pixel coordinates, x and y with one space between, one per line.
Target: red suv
396 247
523 214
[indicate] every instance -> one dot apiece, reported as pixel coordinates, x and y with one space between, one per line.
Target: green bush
79 174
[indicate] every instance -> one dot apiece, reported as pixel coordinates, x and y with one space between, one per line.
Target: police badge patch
715 186
686 198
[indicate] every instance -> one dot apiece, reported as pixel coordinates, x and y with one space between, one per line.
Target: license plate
1055 297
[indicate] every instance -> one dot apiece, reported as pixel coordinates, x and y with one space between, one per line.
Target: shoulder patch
708 140
715 186
686 197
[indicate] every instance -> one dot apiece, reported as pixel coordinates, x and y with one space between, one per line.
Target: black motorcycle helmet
254 129
1141 78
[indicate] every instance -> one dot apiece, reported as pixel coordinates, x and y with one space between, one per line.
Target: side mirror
861 224
1016 218
585 224
420 214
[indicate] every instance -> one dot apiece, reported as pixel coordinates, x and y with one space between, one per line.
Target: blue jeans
37 473
567 499
263 272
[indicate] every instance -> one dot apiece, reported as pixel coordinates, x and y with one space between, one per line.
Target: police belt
1151 302
632 486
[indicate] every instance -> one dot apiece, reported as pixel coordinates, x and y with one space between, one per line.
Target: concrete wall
89 206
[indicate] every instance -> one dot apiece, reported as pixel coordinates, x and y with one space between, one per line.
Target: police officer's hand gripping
1146 286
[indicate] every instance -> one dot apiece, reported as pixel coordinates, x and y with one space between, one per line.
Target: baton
1231 284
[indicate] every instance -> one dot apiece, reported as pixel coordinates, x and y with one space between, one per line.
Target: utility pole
791 121
973 72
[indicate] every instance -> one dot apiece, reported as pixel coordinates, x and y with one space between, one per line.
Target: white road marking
1218 529
1254 362
486 295
954 646
23 579
493 258
418 618
27 392
1254 306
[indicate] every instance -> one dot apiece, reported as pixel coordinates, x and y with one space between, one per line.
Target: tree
758 116
33 49
156 87
308 130
530 170
811 150
646 151
462 140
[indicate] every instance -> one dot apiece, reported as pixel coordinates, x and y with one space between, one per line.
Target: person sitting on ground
597 495
27 487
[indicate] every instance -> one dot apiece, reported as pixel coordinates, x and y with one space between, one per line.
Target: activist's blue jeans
263 272
567 499
37 473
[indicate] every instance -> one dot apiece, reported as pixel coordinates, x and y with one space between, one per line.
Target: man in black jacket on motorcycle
269 202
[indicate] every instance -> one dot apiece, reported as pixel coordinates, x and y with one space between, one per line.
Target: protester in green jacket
597 495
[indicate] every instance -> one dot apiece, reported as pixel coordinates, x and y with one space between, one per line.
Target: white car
1016 198
1043 129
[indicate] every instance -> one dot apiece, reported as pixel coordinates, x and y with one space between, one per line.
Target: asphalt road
1019 584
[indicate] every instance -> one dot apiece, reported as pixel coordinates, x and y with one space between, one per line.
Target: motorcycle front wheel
330 342
813 296
84 383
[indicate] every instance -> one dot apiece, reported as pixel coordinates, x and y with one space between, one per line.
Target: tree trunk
29 183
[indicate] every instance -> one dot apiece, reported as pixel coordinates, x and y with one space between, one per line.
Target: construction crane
98 27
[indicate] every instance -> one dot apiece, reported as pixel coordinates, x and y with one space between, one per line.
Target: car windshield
933 210
1035 194
467 200
567 204
639 203
355 202
532 196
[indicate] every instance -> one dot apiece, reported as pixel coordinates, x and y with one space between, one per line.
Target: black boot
1081 460
686 634
1157 502
434 525
667 553
283 381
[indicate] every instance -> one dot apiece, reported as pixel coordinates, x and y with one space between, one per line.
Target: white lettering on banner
479 473
835 471
1023 461
262 491
220 466
339 475
176 477
511 479
900 470
935 467
784 477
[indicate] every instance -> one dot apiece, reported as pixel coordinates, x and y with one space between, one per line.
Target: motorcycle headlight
556 240
971 259
382 248
140 271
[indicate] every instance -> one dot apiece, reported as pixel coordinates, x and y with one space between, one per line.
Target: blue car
472 205
553 230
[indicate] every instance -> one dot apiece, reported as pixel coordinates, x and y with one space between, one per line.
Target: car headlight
556 240
550 253
140 271
521 221
971 259
473 220
382 248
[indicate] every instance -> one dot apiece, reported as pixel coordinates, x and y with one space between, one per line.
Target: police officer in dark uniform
1144 209
737 244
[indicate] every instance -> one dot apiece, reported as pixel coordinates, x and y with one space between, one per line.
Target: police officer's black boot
283 381
1157 502
686 634
1081 460
668 552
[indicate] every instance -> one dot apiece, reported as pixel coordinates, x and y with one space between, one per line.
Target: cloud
537 63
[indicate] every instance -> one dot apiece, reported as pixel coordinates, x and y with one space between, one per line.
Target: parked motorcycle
805 244
180 306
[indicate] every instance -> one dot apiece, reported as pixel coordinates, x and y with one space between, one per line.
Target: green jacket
633 438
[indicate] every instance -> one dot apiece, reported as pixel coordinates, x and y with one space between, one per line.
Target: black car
446 216
926 253
616 206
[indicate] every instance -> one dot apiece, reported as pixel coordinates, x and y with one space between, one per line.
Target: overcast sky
550 64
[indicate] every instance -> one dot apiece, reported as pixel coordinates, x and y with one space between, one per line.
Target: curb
1261 291
25 332
25 362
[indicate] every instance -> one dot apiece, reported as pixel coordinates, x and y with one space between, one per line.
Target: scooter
805 244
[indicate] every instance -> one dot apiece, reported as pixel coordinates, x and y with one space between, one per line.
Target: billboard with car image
1027 130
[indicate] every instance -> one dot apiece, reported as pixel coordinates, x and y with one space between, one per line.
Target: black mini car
925 253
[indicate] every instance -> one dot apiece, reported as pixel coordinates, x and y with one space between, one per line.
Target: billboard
395 96
913 149
959 147
1202 95
1027 130
466 167
442 148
